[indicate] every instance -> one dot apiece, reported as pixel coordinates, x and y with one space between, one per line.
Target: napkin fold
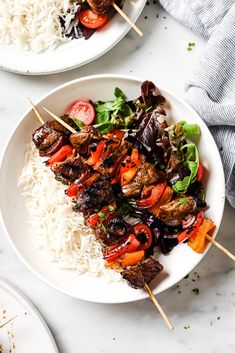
211 89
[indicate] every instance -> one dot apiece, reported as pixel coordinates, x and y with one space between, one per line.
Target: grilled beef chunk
95 196
141 273
70 170
172 213
100 6
110 162
147 175
83 138
51 136
116 229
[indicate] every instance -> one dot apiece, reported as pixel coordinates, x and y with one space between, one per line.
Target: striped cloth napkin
211 89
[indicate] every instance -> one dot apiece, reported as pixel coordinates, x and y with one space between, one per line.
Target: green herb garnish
190 46
183 201
111 208
101 215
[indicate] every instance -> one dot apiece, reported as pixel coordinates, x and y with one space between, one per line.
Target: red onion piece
187 223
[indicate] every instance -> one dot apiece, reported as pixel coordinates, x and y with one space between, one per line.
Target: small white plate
176 265
28 332
74 53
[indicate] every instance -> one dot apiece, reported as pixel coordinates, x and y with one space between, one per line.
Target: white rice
31 24
58 231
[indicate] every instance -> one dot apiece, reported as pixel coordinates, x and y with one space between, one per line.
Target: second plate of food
55 36
133 189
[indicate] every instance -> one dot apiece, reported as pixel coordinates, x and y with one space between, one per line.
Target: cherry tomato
144 235
200 172
83 111
89 19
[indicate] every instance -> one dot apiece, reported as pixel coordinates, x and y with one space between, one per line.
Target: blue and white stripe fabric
211 89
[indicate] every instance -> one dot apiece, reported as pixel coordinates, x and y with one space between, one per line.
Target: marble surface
203 322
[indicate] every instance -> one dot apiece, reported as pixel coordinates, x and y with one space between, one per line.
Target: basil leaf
101 107
104 128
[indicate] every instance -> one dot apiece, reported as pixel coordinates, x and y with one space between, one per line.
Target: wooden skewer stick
8 321
158 306
220 247
62 122
127 19
36 112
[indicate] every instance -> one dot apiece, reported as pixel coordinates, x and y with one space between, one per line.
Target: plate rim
87 78
72 67
23 299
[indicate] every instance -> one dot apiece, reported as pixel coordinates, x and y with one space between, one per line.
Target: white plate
180 261
74 53
28 332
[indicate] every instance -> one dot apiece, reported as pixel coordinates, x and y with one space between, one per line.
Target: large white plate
180 261
74 53
28 332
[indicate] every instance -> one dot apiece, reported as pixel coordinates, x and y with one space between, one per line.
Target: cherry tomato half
83 111
89 19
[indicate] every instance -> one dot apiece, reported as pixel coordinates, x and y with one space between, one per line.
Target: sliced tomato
90 19
144 235
82 110
200 172
155 196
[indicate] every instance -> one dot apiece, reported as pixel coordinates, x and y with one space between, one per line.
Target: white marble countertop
81 327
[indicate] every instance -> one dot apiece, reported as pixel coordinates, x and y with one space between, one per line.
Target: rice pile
58 231
31 24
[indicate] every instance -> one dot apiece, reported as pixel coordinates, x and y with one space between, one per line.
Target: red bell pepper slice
60 155
155 196
189 232
72 190
95 155
106 212
116 134
131 244
144 235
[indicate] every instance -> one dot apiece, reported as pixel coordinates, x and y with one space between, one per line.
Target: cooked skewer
158 306
146 287
208 237
127 19
8 321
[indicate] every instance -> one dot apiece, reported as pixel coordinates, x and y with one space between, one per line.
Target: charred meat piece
116 229
100 6
95 196
147 175
172 213
70 170
83 138
109 163
143 272
51 136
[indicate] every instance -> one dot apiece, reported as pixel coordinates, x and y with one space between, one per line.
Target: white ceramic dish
74 53
180 261
28 323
